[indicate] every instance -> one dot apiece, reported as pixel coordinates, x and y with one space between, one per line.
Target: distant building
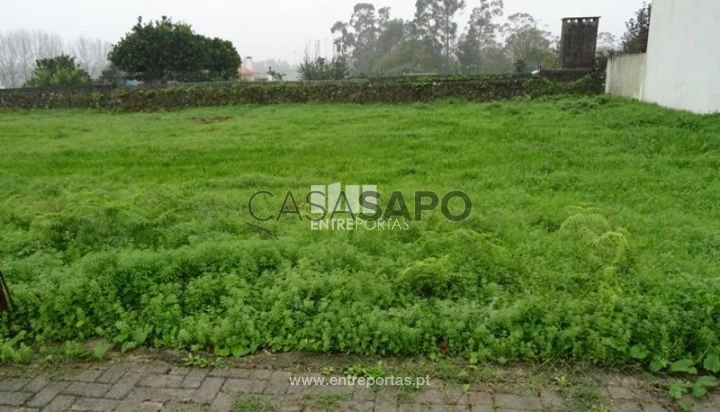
578 42
246 71
133 82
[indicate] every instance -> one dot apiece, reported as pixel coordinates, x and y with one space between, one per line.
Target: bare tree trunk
91 55
19 51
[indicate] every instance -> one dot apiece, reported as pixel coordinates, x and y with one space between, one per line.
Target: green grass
595 232
253 403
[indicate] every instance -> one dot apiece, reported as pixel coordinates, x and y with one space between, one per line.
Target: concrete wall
681 69
626 75
683 59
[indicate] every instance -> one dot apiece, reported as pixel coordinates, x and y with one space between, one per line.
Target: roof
244 71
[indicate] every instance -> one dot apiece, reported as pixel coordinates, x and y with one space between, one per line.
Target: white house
681 69
246 70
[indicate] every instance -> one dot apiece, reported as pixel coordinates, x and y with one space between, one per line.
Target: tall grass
595 229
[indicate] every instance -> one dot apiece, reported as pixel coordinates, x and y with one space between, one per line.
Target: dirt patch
210 119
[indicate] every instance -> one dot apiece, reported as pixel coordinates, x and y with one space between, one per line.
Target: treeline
154 51
372 42
20 51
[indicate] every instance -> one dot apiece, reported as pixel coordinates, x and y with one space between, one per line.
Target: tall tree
37 44
365 25
480 37
19 51
635 39
444 13
91 55
343 38
10 70
392 35
436 28
607 43
426 33
406 53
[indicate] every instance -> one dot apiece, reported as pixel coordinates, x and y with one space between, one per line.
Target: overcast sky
266 29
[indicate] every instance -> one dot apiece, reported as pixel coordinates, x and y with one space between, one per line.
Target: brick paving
159 386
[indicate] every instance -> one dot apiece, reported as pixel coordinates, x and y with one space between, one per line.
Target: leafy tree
635 39
367 38
58 71
160 50
393 32
164 50
223 59
408 56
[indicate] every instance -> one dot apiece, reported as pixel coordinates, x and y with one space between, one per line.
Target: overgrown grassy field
595 231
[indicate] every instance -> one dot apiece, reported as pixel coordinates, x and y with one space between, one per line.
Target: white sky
266 29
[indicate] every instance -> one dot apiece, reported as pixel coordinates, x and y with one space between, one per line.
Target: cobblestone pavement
131 385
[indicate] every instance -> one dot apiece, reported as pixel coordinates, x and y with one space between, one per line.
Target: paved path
153 385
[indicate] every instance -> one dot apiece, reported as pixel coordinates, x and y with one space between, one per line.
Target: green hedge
362 91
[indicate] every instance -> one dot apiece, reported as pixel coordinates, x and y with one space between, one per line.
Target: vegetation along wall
358 91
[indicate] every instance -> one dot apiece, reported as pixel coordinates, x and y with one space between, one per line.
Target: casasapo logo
358 207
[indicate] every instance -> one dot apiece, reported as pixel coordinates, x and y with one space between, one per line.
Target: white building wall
626 75
683 58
